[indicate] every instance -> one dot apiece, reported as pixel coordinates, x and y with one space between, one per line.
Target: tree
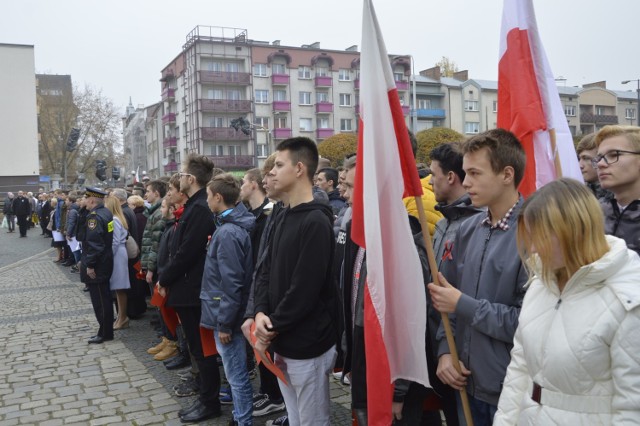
336 147
447 67
430 138
100 133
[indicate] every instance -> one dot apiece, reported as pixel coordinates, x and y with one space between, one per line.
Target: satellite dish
165 161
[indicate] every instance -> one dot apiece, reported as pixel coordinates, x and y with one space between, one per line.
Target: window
305 98
470 105
262 96
214 94
305 124
262 151
233 95
235 150
216 122
495 106
281 123
322 72
344 75
345 99
304 72
570 110
231 67
261 122
630 113
279 95
345 125
278 69
323 123
471 127
212 66
398 76
424 104
600 110
322 97
260 70
217 150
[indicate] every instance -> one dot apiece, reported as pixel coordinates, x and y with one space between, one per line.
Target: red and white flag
395 300
528 100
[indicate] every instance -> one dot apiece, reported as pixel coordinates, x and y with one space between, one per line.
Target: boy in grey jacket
486 275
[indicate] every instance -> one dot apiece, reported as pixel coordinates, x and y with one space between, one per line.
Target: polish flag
528 100
395 301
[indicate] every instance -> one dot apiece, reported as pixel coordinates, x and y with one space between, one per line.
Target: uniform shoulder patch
110 227
92 223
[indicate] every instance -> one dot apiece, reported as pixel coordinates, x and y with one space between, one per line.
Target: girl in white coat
576 354
119 281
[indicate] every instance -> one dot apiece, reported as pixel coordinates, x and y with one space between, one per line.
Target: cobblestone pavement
49 375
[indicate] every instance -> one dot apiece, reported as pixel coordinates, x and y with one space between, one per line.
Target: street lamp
638 106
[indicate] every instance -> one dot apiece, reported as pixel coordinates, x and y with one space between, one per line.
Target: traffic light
72 140
101 170
115 173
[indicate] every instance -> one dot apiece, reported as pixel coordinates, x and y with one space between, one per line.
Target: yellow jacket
429 203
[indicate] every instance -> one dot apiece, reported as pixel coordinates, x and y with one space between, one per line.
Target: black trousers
103 308
23 224
208 366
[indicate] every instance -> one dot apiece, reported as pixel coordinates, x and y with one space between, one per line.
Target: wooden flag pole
554 149
433 266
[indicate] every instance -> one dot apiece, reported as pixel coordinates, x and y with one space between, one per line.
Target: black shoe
189 409
200 412
68 263
188 388
98 339
85 288
177 362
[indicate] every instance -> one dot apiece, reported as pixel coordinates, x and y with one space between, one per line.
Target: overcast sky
120 46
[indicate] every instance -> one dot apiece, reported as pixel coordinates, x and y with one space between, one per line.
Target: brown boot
159 347
171 349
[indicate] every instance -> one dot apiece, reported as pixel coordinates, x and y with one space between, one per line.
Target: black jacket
623 224
21 206
296 288
163 246
96 246
187 252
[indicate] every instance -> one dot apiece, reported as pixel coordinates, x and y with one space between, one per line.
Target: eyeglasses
610 157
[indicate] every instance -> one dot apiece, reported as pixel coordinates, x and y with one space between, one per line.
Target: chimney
461 75
433 73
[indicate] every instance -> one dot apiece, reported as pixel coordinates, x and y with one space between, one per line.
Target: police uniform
97 254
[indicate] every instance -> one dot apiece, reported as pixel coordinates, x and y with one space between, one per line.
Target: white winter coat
581 347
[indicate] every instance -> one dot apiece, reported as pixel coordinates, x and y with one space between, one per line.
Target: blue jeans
481 412
234 360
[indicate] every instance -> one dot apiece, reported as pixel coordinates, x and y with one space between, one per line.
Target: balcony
233 161
324 107
222 105
171 167
430 113
587 117
281 133
402 85
406 110
222 77
279 79
324 81
281 106
222 134
356 84
324 133
168 94
170 142
169 118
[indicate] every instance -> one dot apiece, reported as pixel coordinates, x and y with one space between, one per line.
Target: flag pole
433 266
554 149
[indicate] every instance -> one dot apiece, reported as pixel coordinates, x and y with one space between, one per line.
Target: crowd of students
542 293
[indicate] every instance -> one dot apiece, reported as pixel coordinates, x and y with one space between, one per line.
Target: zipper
558 304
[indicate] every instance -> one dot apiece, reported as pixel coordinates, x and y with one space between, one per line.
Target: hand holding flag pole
433 267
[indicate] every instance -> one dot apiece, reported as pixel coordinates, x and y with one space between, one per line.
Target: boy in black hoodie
295 299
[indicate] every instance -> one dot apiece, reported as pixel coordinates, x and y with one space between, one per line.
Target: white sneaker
338 376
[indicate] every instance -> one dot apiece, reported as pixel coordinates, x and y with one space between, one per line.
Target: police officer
97 261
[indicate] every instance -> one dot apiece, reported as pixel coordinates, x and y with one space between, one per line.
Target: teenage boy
618 165
486 275
295 299
226 282
181 281
587 150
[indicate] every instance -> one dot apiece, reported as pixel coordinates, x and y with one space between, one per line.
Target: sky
121 46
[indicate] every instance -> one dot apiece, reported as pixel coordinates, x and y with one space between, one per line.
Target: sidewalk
49 375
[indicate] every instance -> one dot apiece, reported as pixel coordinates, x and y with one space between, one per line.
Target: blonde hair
136 200
113 204
53 202
631 133
565 213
